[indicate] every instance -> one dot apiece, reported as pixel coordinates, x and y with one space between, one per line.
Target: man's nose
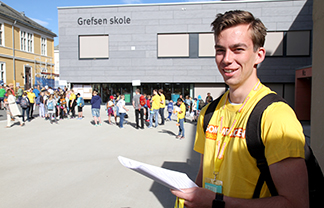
228 57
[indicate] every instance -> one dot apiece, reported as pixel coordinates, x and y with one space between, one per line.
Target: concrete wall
133 46
317 112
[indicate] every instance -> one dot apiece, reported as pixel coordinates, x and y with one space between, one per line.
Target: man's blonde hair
236 17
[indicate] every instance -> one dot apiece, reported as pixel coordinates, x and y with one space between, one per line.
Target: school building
26 50
118 48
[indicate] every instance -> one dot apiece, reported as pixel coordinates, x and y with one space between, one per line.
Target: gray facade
133 45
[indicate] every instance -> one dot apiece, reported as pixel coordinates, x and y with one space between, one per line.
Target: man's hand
196 197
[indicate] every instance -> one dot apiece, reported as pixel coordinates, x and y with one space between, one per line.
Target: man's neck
238 95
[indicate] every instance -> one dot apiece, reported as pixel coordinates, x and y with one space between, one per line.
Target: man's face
235 57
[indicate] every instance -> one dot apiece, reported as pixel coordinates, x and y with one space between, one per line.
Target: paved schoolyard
74 163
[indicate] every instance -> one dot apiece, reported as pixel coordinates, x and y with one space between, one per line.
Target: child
51 103
122 110
110 110
170 109
80 104
63 106
181 115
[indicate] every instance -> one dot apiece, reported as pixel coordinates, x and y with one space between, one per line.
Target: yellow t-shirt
281 133
162 99
156 102
183 110
72 96
31 96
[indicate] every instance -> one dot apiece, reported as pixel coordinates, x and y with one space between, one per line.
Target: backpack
201 104
24 102
142 100
50 105
81 102
38 101
256 150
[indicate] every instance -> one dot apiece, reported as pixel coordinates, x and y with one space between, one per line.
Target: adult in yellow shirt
225 160
162 106
181 116
31 97
155 108
72 103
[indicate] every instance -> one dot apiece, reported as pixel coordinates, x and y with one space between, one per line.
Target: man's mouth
229 70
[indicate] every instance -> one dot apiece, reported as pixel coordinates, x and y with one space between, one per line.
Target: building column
317 110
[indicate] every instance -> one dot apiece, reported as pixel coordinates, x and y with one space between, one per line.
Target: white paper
169 178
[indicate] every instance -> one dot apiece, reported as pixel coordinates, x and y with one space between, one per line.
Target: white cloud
41 22
131 1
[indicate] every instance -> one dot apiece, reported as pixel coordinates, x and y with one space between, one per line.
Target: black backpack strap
210 111
256 146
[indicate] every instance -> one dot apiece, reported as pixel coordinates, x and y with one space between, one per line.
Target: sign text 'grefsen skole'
104 21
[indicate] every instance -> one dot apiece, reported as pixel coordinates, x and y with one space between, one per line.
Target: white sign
136 82
62 82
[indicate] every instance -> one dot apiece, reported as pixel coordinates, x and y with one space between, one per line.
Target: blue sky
45 11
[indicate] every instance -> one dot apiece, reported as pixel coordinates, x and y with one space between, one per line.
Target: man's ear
261 52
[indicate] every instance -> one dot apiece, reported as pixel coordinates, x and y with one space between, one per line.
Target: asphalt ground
74 163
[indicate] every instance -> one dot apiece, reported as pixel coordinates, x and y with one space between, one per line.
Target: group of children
54 105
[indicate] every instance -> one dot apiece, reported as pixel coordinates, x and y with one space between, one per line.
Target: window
173 45
43 47
93 47
206 45
298 43
2 73
26 41
22 41
274 44
1 34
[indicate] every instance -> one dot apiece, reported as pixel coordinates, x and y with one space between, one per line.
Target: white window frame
173 45
43 46
31 75
26 41
2 42
3 70
94 46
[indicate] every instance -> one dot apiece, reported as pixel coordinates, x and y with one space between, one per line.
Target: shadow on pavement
190 167
167 132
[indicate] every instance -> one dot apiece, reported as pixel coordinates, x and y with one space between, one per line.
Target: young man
155 108
139 109
239 39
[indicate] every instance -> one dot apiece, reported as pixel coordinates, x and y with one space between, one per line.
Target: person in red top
148 108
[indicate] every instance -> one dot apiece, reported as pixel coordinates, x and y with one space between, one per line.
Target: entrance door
27 77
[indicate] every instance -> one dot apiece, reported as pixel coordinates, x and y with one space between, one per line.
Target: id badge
214 185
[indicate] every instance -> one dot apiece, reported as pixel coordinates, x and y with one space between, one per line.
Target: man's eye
218 51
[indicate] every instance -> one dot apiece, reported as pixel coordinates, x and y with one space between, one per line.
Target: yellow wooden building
26 50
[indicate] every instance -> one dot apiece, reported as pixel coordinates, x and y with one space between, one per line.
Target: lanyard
225 136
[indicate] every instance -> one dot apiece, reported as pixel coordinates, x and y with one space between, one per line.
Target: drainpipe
13 53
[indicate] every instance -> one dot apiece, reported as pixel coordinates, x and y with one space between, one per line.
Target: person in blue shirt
36 91
95 107
170 109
